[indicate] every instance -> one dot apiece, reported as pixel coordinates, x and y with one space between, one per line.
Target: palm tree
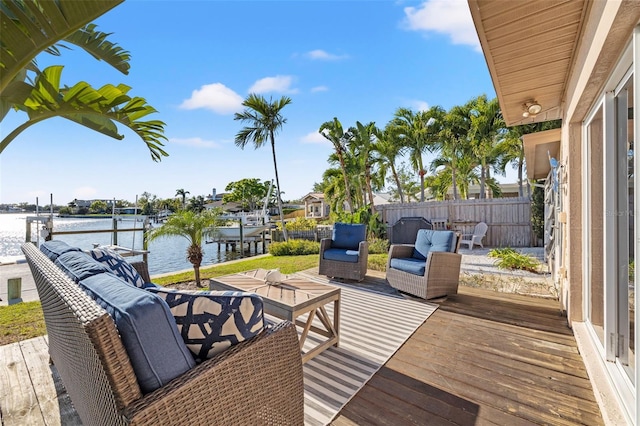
486 124
183 194
332 130
364 138
32 27
419 133
265 120
194 227
388 149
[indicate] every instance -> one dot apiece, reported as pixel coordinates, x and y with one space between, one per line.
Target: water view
166 254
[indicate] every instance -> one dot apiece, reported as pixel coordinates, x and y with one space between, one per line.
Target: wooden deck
481 358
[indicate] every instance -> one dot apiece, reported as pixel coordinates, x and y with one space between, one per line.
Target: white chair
476 238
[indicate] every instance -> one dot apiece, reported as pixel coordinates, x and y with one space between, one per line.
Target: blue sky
195 61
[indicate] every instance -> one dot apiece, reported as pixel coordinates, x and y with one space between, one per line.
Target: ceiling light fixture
531 109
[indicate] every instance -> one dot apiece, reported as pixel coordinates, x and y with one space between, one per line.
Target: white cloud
194 142
319 89
321 55
278 84
419 105
216 97
84 192
450 17
315 138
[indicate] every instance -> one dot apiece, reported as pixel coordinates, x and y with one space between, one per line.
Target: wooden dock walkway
482 358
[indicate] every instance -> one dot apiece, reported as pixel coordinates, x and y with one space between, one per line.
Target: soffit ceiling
529 47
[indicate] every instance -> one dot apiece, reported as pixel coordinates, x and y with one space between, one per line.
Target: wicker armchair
346 253
441 274
258 381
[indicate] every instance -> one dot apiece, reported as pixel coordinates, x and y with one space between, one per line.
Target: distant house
509 190
315 206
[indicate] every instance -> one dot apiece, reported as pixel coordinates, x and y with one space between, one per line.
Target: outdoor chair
429 268
479 232
346 253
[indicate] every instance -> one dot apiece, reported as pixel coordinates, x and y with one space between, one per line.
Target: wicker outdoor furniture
346 253
426 273
257 381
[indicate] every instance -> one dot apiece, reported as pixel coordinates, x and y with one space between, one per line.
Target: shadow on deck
482 358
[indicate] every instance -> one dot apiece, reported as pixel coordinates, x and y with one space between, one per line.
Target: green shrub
378 246
299 224
294 248
377 262
508 258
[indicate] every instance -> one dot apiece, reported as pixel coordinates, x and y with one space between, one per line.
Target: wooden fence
509 219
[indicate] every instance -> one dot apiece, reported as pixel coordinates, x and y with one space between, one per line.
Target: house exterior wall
591 267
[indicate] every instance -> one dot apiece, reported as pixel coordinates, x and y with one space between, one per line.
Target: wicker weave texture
441 278
345 270
257 382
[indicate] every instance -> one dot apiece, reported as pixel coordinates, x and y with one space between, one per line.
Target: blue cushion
55 248
429 240
410 265
79 265
147 327
118 265
210 322
341 255
348 236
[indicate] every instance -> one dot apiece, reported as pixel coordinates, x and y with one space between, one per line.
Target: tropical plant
333 131
196 204
32 27
419 132
264 120
486 127
98 206
364 138
294 247
508 258
388 149
182 194
250 192
192 226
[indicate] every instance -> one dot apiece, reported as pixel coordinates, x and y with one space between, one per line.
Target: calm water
166 254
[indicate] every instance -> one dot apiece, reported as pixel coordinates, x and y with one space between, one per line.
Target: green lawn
25 320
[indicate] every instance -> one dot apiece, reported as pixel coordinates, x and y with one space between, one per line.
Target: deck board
483 358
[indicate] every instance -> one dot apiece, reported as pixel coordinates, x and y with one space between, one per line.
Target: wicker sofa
429 268
257 381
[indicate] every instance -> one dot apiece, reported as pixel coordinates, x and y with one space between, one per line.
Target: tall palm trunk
347 187
394 172
275 166
194 255
368 182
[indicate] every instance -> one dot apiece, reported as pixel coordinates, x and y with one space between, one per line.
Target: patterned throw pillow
212 321
120 267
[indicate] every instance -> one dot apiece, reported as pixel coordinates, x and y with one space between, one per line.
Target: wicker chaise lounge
257 381
429 268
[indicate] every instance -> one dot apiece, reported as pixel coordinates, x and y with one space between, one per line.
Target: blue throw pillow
78 265
147 327
210 322
118 265
429 240
348 236
55 248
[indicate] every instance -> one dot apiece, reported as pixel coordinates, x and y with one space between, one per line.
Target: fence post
14 288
